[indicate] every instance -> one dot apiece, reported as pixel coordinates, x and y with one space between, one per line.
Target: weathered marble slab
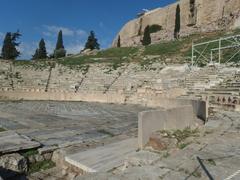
103 159
10 141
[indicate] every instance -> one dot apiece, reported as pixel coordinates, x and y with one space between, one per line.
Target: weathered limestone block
14 162
141 158
38 158
160 143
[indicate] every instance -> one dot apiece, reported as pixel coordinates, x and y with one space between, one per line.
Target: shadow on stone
6 174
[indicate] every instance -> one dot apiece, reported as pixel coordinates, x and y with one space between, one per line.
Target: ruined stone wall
200 16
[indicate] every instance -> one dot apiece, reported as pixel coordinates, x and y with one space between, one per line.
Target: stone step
105 158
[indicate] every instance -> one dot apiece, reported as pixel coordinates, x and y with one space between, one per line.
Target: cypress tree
177 23
42 52
92 42
9 50
59 44
119 41
146 37
59 50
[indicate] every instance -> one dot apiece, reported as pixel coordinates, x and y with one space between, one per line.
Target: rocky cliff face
195 16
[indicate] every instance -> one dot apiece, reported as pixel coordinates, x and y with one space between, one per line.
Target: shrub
59 53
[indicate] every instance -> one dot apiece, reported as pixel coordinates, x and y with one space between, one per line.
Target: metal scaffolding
212 51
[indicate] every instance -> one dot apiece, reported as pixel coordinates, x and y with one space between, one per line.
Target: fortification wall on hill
195 16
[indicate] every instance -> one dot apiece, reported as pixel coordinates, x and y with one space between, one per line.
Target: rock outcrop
195 16
14 162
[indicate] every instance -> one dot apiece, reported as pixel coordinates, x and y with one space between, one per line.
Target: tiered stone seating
99 79
134 77
65 79
30 78
5 79
200 80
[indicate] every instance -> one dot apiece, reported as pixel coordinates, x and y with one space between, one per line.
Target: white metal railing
206 53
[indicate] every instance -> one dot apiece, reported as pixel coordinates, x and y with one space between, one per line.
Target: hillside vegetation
176 49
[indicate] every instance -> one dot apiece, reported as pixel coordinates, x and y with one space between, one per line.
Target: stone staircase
220 85
225 95
49 79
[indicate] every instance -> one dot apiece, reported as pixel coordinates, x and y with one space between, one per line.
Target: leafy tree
92 42
177 23
10 44
42 52
119 41
59 50
146 37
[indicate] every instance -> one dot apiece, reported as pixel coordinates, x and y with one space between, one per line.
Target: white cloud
50 46
1 36
47 33
74 48
53 30
81 32
27 49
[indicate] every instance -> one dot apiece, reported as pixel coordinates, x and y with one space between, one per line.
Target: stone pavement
63 124
103 159
13 142
217 147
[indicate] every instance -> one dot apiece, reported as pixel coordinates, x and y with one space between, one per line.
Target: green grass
182 145
29 152
114 57
182 135
82 61
211 162
40 166
183 47
165 48
117 52
2 129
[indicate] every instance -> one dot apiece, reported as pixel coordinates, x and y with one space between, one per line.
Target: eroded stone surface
61 124
103 159
217 147
13 142
14 162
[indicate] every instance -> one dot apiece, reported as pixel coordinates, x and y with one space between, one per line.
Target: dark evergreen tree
146 37
35 56
119 41
59 50
42 52
177 23
10 44
59 44
7 47
92 42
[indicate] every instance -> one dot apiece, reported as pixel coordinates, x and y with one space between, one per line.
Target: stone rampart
195 16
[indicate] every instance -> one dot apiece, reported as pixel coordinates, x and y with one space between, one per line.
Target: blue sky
38 19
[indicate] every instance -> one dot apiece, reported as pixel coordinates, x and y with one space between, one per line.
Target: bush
59 53
155 28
